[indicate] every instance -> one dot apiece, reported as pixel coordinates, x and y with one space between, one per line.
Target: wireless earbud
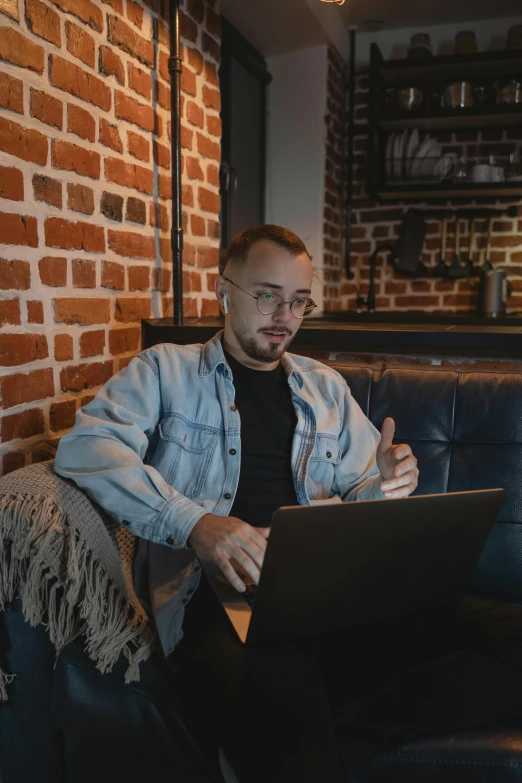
225 303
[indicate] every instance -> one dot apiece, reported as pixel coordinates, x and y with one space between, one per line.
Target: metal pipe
349 162
176 235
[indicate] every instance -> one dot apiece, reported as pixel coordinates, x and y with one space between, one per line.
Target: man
193 448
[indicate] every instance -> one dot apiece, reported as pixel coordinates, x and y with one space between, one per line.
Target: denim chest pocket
325 456
187 450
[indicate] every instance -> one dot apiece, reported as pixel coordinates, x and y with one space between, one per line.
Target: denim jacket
160 446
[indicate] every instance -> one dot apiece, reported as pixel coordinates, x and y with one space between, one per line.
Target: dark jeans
309 713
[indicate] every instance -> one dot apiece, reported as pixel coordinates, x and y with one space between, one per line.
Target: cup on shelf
481 172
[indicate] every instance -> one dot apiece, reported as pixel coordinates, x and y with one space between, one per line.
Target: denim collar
212 357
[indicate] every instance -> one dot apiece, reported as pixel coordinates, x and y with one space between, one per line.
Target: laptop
350 567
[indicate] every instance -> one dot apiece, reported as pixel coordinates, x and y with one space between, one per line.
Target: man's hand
397 465
226 539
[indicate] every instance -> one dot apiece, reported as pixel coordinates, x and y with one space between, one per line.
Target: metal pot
458 96
408 98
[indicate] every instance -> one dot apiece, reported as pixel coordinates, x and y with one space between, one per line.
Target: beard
269 353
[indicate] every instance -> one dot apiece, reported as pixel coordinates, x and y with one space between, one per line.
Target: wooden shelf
457 119
444 190
453 68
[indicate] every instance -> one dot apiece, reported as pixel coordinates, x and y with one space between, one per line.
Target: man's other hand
226 539
397 465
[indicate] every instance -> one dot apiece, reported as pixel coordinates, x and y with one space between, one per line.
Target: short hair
242 242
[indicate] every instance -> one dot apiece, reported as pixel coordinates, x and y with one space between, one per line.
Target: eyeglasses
269 303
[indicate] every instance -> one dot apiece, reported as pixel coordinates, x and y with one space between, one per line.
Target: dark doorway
243 80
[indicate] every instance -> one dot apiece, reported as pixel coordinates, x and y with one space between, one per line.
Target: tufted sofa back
465 429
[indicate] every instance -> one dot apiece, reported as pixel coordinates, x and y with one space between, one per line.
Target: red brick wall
85 198
374 223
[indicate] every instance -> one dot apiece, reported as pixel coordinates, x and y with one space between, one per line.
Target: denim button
233 408
184 601
232 451
169 540
189 592
226 373
227 495
328 454
197 567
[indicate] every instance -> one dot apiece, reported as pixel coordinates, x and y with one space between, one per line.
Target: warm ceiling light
337 2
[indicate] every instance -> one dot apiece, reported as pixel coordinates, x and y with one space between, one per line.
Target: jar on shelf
514 37
465 42
420 46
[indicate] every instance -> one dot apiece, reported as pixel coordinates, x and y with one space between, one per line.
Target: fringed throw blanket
71 564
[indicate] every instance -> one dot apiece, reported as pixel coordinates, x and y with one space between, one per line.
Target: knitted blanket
71 564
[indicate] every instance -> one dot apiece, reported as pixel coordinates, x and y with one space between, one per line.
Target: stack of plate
409 159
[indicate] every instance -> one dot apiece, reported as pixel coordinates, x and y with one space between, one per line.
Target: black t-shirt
268 422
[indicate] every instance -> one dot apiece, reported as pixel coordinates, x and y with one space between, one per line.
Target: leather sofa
66 723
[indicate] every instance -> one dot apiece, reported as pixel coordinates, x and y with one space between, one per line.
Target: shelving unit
435 73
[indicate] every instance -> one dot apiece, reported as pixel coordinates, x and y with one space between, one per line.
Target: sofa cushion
475 757
133 731
30 744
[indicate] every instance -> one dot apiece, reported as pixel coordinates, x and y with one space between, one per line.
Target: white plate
431 159
417 165
444 165
388 155
398 163
411 149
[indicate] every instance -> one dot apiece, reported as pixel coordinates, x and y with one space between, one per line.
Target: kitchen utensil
408 98
430 159
458 95
420 46
441 270
494 290
471 251
486 263
456 269
465 42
